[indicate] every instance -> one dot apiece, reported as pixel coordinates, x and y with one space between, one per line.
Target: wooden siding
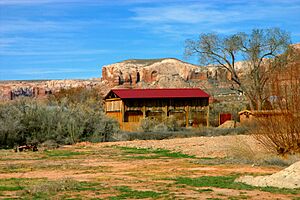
130 126
133 116
115 115
112 106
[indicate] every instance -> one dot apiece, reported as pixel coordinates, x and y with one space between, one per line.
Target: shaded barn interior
190 107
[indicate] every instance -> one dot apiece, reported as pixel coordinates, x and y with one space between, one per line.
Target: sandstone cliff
168 72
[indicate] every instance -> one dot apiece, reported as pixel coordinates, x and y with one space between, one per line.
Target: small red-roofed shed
189 106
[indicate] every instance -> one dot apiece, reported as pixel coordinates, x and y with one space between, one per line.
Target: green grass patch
228 182
143 157
63 153
133 150
88 186
128 193
148 153
10 188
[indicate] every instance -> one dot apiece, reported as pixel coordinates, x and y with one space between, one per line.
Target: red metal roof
160 93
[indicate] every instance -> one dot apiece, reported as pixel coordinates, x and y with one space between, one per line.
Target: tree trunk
259 104
251 101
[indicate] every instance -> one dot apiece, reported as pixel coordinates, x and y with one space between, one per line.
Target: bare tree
260 50
281 132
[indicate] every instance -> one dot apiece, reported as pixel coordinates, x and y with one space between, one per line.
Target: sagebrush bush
10 125
150 124
28 121
181 133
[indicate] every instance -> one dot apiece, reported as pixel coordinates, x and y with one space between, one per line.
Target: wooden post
122 112
207 116
187 109
165 109
144 109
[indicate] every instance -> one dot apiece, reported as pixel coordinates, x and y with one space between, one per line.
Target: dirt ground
220 146
149 174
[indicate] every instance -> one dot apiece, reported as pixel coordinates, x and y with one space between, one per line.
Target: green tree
260 50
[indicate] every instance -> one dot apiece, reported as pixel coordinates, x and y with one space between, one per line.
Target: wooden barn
190 106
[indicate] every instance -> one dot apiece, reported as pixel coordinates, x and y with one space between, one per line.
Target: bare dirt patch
199 146
107 170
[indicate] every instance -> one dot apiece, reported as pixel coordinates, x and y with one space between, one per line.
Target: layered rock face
12 89
168 72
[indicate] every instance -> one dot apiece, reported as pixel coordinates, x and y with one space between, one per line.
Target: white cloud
222 17
189 14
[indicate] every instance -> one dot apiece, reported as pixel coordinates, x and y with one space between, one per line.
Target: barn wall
133 116
115 115
130 126
129 112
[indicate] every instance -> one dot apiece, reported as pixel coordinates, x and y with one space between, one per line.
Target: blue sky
64 39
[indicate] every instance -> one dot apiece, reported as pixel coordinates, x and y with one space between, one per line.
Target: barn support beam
187 113
207 116
165 110
122 112
144 109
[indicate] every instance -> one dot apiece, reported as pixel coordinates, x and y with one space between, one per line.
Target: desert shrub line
29 121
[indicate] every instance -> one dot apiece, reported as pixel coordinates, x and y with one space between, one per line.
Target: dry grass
280 134
243 152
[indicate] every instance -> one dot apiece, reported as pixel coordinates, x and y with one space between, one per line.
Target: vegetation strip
62 153
158 153
128 193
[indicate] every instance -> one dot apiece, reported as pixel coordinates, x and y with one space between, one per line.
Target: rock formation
168 72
